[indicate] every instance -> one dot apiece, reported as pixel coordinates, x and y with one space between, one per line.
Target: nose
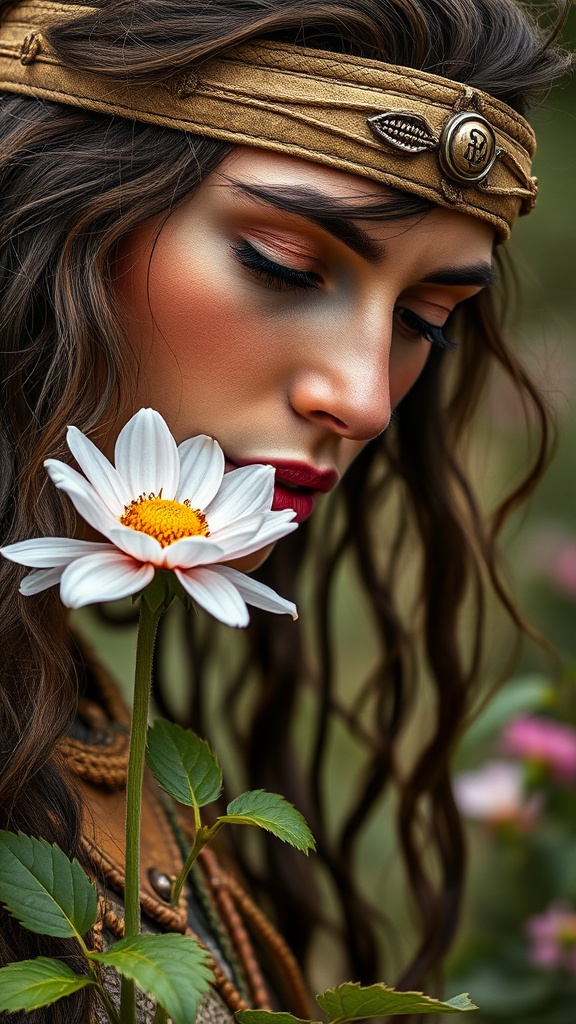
344 385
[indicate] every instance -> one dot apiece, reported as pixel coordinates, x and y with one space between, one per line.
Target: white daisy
161 506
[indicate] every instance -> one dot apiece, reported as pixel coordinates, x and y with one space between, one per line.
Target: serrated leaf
43 889
29 984
461 1002
171 968
269 1017
183 764
351 1001
275 814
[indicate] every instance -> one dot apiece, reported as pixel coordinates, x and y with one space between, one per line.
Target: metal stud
161 883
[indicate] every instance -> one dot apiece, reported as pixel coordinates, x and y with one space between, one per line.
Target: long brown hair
73 183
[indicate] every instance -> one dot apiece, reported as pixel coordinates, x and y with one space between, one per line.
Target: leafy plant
50 894
350 1002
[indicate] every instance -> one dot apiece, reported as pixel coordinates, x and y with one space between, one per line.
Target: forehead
452 232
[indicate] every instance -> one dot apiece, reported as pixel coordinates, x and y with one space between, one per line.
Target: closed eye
423 329
274 275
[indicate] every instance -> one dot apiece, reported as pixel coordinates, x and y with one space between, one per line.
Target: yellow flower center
165 520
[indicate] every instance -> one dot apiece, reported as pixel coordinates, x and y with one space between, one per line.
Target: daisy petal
201 470
244 529
106 577
239 530
216 595
105 480
39 580
48 552
271 532
191 551
243 491
140 546
82 495
146 455
255 593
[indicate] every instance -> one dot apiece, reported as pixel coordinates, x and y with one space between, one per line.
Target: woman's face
289 337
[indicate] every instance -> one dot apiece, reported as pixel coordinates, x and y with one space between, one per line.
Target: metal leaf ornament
407 132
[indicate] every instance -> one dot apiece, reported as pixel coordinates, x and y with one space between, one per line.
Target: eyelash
276 275
435 335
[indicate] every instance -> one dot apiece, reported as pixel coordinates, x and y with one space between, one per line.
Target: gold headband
413 131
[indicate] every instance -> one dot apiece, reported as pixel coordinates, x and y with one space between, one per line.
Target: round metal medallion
467 147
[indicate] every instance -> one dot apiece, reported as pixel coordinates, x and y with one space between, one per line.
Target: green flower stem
144 651
203 836
113 1016
109 1007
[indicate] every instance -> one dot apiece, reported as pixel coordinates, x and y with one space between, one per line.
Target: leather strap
104 841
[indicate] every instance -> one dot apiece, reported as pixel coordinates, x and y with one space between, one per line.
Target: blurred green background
518 869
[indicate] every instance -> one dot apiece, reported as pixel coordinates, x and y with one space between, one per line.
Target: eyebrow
327 213
480 274
334 217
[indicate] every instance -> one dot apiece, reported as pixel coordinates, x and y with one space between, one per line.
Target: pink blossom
551 552
563 569
495 793
553 938
552 744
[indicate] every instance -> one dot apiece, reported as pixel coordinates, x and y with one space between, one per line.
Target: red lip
309 481
300 475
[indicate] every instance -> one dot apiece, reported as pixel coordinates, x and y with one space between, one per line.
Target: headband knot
31 46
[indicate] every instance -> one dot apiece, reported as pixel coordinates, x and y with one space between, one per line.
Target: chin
251 562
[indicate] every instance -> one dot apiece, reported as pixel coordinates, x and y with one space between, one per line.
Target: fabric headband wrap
408 129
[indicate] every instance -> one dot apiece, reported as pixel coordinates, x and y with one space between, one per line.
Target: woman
276 248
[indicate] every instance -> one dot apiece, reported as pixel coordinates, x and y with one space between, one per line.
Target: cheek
201 329
196 339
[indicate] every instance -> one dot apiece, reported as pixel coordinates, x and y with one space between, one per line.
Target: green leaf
183 764
275 814
43 889
30 984
172 968
353 1002
461 1002
269 1017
